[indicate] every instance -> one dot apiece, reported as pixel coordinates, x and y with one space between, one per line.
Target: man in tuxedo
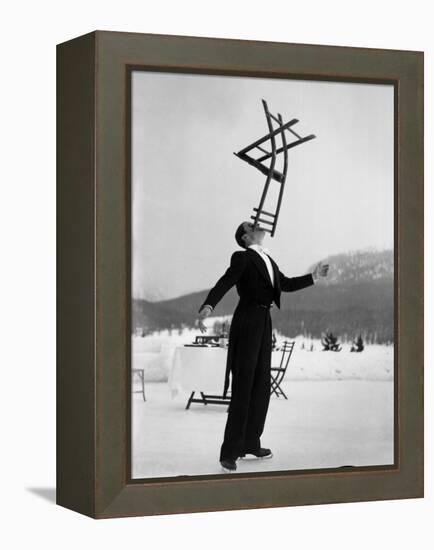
259 283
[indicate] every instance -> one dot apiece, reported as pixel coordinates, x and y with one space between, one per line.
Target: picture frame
94 259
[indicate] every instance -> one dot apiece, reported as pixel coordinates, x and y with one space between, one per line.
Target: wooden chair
141 374
276 128
278 373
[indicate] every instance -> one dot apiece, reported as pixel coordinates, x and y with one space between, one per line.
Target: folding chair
278 373
141 374
269 171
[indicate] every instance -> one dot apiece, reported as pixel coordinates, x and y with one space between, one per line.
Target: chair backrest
287 348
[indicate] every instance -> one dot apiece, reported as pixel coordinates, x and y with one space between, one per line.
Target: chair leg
276 388
273 388
143 385
281 392
190 400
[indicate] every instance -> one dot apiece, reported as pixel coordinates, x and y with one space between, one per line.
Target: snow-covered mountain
361 265
356 298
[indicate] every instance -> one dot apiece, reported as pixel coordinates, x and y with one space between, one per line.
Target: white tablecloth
201 369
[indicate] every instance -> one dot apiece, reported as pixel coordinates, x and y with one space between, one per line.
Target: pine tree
357 344
330 342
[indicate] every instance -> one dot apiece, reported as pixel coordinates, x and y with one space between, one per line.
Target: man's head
246 234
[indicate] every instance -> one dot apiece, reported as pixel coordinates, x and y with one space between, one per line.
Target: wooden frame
94 265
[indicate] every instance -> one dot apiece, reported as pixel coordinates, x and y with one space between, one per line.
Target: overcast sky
189 192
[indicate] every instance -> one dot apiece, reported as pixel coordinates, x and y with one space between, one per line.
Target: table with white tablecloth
200 369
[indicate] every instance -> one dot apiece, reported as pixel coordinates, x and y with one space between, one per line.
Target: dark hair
239 233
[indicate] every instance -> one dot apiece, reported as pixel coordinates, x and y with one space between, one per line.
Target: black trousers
250 362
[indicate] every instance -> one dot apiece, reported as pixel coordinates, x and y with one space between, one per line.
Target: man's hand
321 270
205 312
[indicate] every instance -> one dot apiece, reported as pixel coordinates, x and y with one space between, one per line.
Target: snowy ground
323 424
339 412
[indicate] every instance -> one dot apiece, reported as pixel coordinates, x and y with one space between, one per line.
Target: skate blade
227 471
253 457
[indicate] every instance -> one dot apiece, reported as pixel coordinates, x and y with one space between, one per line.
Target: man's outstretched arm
291 284
225 283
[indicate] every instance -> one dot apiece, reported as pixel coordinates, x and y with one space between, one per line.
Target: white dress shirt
263 253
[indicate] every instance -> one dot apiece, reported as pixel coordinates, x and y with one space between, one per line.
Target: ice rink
323 424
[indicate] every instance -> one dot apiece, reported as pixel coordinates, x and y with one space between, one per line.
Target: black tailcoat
249 352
